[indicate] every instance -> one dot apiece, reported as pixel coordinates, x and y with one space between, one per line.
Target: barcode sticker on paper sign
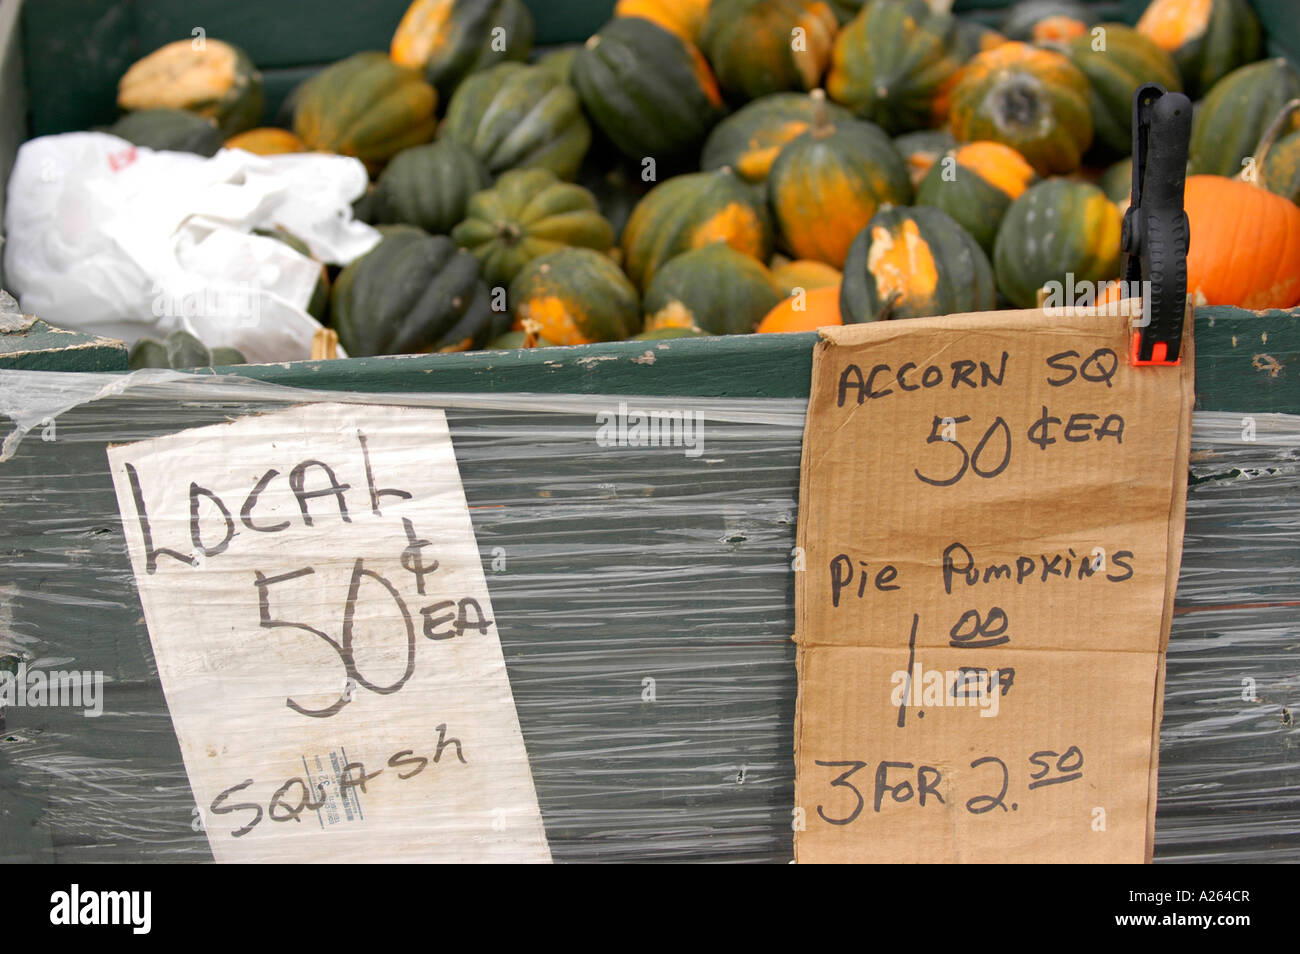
322 627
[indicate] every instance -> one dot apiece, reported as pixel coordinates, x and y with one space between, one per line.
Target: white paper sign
325 640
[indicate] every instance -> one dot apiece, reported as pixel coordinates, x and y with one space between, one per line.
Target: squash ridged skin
1114 73
1230 121
1035 101
938 270
1281 170
428 186
690 211
411 293
986 177
1056 228
805 273
175 76
750 139
176 130
529 213
518 117
714 288
749 44
365 106
649 91
1205 50
827 184
892 64
450 39
575 296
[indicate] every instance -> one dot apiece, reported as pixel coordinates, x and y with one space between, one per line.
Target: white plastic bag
118 240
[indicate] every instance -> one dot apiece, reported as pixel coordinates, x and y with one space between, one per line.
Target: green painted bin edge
1245 361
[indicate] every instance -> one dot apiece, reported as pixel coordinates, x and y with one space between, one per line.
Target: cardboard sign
325 640
991 519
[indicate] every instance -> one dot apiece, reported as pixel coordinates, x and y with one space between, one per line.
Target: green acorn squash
365 106
893 62
428 186
413 292
651 92
914 262
1116 62
1207 39
575 296
714 288
1057 229
690 211
759 47
449 39
519 117
1046 21
176 130
527 214
1232 119
921 150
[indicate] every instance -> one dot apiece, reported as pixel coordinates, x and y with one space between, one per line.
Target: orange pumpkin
1245 244
815 309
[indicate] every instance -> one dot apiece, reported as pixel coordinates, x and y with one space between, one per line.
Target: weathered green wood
739 366
44 348
1245 361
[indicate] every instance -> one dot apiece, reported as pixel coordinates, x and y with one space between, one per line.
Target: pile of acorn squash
726 166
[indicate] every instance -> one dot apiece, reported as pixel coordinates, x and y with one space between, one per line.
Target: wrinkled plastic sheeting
645 606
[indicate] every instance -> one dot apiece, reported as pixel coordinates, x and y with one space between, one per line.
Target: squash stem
1271 136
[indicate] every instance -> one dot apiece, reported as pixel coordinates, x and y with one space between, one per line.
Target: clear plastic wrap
644 605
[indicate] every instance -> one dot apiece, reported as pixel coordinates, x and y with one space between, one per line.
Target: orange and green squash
449 39
759 47
1034 100
921 150
892 64
1230 122
976 184
1116 63
914 262
682 17
213 79
1057 228
1278 156
714 288
1208 39
529 213
690 211
827 184
411 293
365 106
267 141
803 273
750 139
428 186
575 296
515 117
